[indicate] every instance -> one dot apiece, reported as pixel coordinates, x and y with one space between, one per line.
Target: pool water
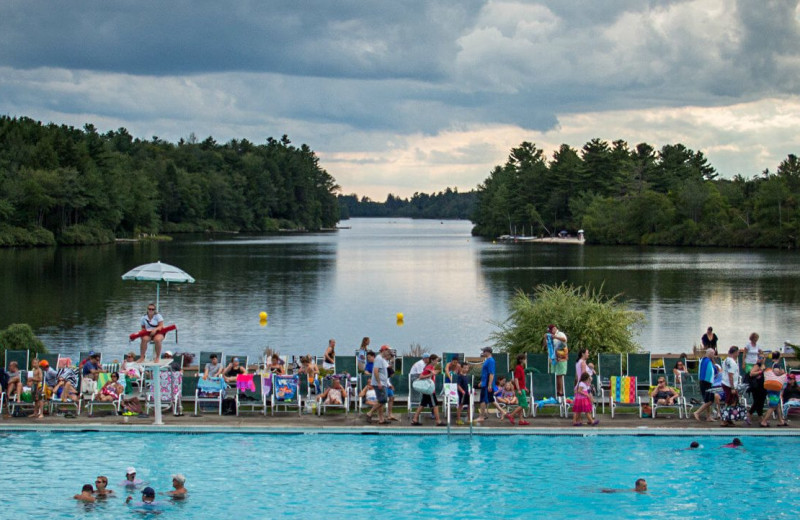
247 476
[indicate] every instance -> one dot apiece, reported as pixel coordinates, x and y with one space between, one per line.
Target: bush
85 234
19 336
11 236
590 320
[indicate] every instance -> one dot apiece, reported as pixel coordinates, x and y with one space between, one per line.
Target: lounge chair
501 407
95 401
286 393
57 404
205 357
623 393
22 359
669 365
346 365
639 367
501 365
543 391
211 390
171 388
608 366
52 359
327 383
251 397
678 405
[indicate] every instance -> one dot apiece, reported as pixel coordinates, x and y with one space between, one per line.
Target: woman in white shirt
751 352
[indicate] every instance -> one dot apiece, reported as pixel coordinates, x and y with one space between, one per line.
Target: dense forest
447 204
77 186
639 195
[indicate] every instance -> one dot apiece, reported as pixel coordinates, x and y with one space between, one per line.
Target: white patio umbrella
158 272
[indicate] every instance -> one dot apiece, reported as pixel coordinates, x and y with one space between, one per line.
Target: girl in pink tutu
583 401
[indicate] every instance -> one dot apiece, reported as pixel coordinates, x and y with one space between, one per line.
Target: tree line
639 195
447 204
60 184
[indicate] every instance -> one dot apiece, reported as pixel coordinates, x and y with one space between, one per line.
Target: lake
351 283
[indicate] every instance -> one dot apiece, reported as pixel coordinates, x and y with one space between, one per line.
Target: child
463 391
508 397
86 494
35 383
583 402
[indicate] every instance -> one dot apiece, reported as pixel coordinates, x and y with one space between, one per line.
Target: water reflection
346 285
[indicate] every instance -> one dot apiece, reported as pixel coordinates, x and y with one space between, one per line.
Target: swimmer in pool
694 445
101 491
148 499
640 487
178 482
735 443
86 495
130 478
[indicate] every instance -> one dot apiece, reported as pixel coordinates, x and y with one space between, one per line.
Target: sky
415 96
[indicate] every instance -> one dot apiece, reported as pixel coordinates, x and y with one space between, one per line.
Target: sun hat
130 471
179 477
149 492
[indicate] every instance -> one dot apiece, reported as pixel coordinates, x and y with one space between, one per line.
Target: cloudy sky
413 95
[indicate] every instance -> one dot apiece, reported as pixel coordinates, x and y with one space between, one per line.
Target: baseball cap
43 363
130 471
426 355
384 347
149 492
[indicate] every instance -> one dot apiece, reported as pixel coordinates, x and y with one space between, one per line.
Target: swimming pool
355 476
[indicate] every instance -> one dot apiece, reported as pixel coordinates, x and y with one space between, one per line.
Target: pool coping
642 431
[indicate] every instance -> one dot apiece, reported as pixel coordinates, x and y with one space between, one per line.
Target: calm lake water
348 284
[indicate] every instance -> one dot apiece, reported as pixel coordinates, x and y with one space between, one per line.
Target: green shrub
19 336
11 236
590 320
85 234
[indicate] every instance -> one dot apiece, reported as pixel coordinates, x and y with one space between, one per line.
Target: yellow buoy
262 315
399 316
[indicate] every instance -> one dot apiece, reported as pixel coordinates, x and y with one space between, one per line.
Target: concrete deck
353 424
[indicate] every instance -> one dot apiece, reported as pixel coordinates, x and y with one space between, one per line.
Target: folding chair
543 391
608 366
286 393
251 397
623 393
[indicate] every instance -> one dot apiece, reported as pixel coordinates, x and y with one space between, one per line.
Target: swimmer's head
148 494
641 485
736 441
694 445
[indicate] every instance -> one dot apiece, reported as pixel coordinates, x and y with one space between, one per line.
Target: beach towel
210 387
451 391
69 375
244 383
170 383
285 388
551 348
266 384
623 389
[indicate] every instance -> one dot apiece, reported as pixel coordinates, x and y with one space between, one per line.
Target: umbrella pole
158 291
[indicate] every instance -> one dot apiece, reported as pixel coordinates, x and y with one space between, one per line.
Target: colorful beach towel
285 387
244 383
210 387
551 348
623 389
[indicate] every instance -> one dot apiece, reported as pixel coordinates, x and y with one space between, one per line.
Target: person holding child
584 402
508 397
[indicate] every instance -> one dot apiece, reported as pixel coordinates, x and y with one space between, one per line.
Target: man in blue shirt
487 382
706 376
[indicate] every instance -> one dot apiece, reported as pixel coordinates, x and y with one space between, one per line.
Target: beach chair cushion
623 389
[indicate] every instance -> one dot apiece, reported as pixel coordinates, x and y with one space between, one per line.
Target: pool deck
352 424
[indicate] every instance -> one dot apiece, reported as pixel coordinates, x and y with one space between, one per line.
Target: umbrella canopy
158 272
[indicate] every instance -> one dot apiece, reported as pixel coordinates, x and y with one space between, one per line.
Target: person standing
419 366
380 382
581 365
730 382
152 322
706 381
710 339
519 385
757 391
774 383
488 373
428 400
751 352
361 355
329 359
562 354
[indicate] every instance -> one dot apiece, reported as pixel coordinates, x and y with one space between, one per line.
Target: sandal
595 422
441 424
577 424
382 423
783 424
763 425
415 423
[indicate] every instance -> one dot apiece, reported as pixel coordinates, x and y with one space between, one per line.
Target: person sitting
86 494
130 367
14 381
92 367
152 322
64 391
505 398
311 370
50 375
791 394
276 365
111 390
662 394
678 371
179 488
369 396
333 395
212 369
232 371
100 487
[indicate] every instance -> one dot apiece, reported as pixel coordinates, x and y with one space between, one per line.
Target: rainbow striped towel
623 389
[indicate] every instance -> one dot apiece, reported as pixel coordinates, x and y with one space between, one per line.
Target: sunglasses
151 308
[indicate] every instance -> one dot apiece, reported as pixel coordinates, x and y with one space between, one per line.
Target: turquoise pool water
354 476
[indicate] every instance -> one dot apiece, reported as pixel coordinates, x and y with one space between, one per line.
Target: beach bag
734 413
424 386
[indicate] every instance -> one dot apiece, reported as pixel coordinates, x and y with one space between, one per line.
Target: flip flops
415 423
